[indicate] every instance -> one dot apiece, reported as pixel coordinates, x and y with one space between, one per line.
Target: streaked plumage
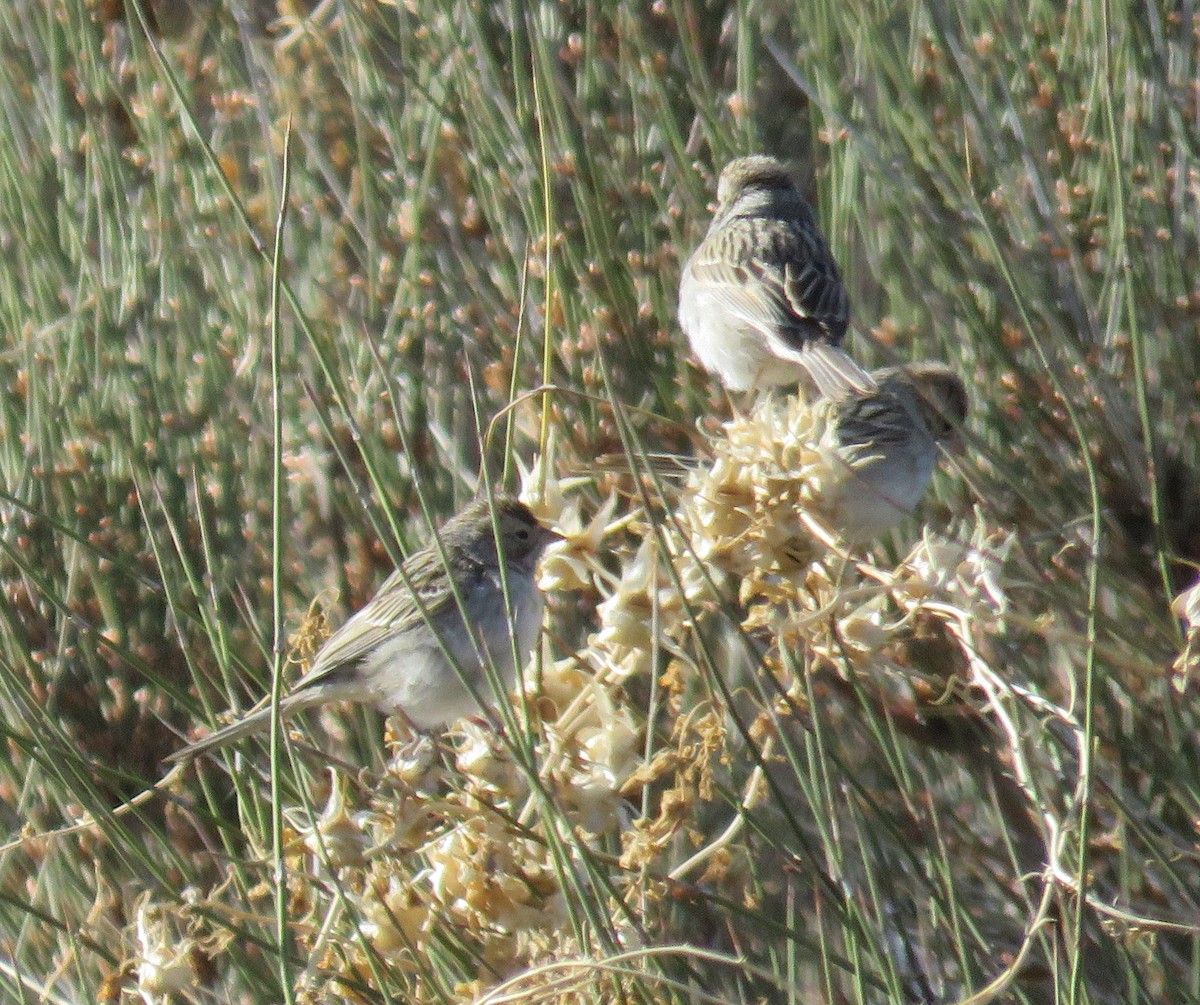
890 438
392 653
761 299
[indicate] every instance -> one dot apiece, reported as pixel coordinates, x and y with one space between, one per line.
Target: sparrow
434 613
761 299
889 439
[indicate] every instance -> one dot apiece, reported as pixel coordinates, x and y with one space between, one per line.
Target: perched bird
393 652
761 299
889 438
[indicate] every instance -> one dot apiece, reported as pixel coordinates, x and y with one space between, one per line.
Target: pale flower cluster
953 583
765 500
1186 607
165 963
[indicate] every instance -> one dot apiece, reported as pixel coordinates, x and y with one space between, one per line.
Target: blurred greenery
486 198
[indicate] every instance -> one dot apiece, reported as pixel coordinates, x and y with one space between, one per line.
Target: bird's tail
834 372
254 722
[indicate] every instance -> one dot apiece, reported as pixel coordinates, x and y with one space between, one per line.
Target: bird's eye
523 534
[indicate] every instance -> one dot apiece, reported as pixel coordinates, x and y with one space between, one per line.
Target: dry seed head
489 879
1186 607
164 964
336 838
394 919
607 751
576 563
483 758
967 575
772 469
645 600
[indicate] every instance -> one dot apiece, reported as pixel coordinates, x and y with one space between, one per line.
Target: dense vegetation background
485 198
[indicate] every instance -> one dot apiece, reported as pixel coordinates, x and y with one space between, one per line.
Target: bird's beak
551 536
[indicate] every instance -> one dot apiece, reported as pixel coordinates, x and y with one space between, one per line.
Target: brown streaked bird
400 651
761 299
890 439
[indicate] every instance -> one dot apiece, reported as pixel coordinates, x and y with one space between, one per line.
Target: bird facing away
890 438
761 299
393 652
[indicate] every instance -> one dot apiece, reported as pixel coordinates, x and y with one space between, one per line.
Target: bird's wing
798 308
778 278
873 426
795 259
392 611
